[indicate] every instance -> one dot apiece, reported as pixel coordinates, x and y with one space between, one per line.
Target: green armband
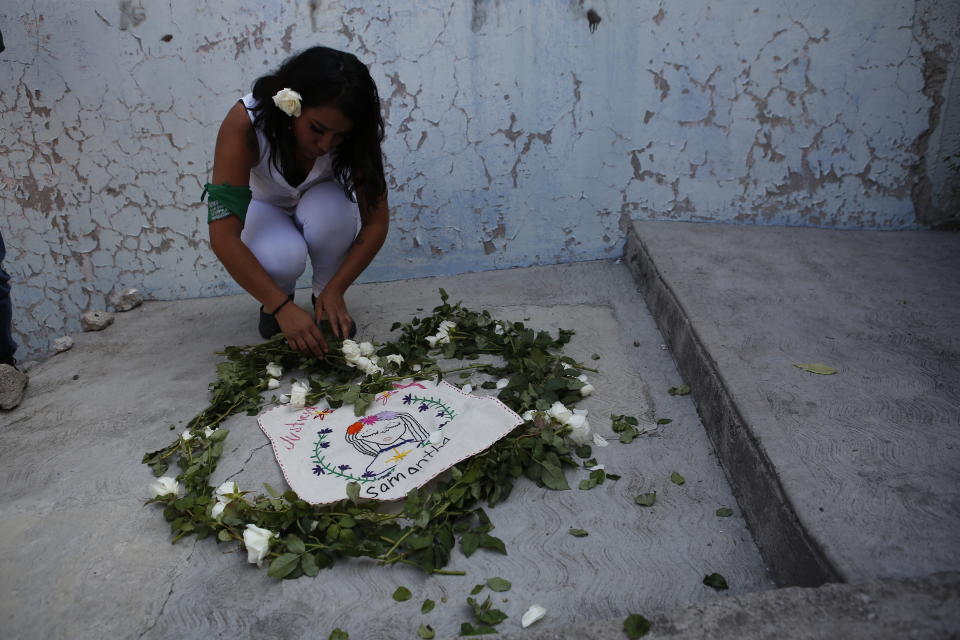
226 201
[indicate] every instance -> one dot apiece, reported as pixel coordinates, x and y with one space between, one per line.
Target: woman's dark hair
324 76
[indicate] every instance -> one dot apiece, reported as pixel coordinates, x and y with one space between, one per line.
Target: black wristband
277 310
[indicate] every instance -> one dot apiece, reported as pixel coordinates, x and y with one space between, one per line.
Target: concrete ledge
793 557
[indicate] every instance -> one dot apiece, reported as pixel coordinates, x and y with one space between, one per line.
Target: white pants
323 225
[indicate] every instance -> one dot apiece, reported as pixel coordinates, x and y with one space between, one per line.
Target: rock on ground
127 300
63 343
96 320
12 384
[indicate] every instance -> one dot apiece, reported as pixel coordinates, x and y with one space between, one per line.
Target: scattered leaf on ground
682 390
467 629
426 632
636 626
664 420
816 367
716 581
499 584
339 634
578 533
676 478
724 512
477 588
595 356
646 499
427 606
402 594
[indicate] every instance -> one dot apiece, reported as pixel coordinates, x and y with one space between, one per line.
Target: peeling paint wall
516 134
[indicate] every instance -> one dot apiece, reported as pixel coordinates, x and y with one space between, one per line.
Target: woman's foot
268 325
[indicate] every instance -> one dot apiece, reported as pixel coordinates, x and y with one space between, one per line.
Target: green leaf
467 629
724 512
426 632
273 492
646 499
339 634
283 565
427 606
309 565
595 356
676 478
815 367
492 542
224 536
498 584
485 612
353 491
553 477
583 451
578 533
476 589
664 420
402 594
295 544
636 626
469 543
682 390
716 581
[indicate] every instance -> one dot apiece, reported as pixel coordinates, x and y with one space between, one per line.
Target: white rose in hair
288 101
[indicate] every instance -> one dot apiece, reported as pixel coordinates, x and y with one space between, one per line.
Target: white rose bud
432 341
560 413
528 415
288 101
273 383
257 542
351 350
298 395
207 432
579 429
186 436
217 509
228 487
395 359
165 486
274 370
502 382
446 327
586 390
366 349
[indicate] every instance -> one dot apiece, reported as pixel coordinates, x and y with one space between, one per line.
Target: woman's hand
330 305
301 332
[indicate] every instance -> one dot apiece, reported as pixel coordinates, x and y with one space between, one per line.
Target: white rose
498 329
228 487
467 388
432 341
528 415
164 486
217 509
207 432
274 370
534 613
599 440
370 367
395 359
283 399
560 413
298 395
351 350
586 390
288 101
186 436
446 326
579 429
257 542
502 382
366 349
273 383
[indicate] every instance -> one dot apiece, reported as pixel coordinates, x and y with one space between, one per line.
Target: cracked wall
516 136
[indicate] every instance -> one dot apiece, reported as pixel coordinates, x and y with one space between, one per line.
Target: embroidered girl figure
383 436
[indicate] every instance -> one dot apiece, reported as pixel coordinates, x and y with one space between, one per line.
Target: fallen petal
600 441
534 613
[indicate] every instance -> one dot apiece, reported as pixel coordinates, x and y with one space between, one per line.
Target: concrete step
853 476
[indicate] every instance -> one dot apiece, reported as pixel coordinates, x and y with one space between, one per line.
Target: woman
292 159
384 433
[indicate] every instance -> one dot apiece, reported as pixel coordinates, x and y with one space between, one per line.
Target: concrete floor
80 557
852 478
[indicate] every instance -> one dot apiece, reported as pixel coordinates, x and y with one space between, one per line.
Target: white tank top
268 184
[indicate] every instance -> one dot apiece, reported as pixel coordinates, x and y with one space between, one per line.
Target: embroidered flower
324 445
257 542
408 399
324 432
288 101
318 470
423 407
343 467
369 419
